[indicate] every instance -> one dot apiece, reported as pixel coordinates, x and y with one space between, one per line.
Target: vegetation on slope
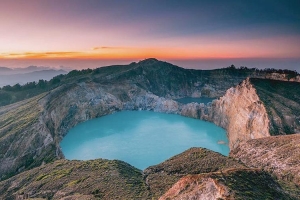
94 179
11 94
282 101
113 179
192 161
16 122
151 70
277 154
251 184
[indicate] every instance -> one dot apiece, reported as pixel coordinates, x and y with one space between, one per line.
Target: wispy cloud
54 54
109 47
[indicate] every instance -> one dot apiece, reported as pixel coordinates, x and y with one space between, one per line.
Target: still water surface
187 100
141 138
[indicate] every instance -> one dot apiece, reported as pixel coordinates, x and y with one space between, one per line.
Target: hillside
228 184
161 177
96 179
105 179
276 154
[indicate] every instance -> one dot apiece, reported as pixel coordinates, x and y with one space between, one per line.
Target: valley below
259 110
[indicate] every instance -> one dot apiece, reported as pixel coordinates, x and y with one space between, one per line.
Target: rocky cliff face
241 113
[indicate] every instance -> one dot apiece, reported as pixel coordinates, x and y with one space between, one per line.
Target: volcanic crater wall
239 112
44 120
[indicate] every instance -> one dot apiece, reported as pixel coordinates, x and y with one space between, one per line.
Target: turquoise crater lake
141 138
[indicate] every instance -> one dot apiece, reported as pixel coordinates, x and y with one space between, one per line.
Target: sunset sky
134 29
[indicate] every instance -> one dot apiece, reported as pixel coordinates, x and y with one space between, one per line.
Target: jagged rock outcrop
241 113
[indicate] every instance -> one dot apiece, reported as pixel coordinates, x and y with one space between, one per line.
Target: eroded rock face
241 113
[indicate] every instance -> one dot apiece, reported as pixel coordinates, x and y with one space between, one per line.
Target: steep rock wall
241 113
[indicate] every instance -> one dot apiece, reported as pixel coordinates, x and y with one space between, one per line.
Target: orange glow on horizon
139 53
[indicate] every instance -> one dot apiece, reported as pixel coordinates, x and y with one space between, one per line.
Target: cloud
109 47
51 54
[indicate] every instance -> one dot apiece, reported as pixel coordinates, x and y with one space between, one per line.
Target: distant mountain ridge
10 77
5 69
9 71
